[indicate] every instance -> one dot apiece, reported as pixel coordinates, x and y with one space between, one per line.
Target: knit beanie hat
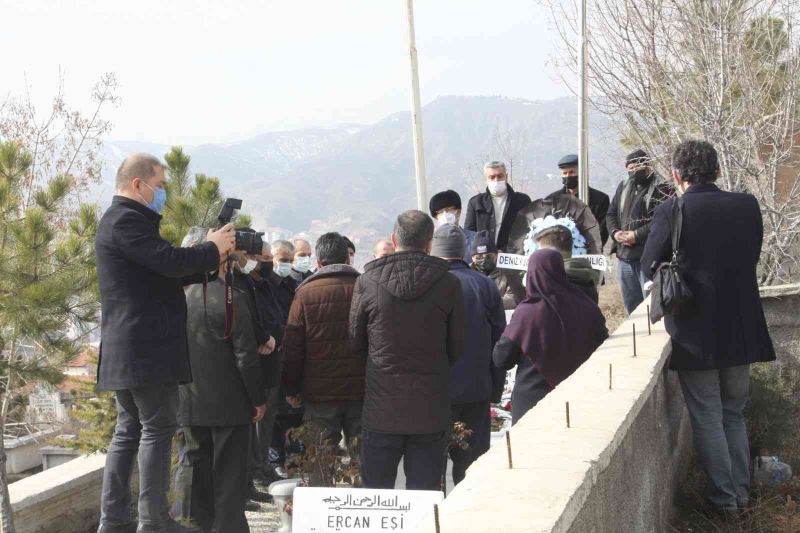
440 200
483 244
449 242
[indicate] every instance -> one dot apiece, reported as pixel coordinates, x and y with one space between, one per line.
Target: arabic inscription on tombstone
333 510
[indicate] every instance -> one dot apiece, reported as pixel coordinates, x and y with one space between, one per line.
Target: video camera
250 241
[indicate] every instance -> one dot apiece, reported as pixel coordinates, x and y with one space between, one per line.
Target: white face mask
302 264
283 269
447 217
249 266
497 188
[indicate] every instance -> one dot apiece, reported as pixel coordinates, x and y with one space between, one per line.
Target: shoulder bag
670 295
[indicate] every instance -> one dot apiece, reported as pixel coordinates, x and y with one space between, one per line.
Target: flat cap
570 160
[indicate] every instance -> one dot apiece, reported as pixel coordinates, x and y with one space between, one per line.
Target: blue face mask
159 199
283 269
302 264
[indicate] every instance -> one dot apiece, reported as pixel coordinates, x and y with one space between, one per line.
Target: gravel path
267 520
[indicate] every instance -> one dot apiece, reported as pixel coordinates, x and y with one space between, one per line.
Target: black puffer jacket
407 319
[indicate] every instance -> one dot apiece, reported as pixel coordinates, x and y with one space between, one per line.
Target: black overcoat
720 246
143 308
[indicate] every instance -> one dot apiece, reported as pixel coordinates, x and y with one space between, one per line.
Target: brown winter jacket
407 321
318 360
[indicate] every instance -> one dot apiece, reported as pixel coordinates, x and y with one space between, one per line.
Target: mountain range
355 178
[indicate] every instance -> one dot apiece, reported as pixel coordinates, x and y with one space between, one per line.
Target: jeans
631 283
423 460
331 419
211 481
476 417
146 422
716 399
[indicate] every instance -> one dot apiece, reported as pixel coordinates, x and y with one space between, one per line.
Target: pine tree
97 415
48 285
190 205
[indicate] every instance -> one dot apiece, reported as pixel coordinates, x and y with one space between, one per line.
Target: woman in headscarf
552 332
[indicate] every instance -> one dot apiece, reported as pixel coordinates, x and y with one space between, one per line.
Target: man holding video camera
143 354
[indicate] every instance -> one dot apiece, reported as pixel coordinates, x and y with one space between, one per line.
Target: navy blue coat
720 245
474 377
143 307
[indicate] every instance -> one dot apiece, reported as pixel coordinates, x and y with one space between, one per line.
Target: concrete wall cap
57 480
776 291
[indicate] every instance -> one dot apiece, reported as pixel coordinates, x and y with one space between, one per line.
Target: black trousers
261 438
423 460
211 481
529 389
476 417
278 449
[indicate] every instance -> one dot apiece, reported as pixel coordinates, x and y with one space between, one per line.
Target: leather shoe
251 506
258 496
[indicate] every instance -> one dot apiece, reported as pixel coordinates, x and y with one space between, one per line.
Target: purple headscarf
557 325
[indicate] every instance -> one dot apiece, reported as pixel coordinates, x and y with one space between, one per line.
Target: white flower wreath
536 226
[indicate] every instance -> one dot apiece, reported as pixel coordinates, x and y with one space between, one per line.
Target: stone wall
782 309
63 499
614 469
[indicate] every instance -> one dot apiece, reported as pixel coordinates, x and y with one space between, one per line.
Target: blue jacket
474 377
720 247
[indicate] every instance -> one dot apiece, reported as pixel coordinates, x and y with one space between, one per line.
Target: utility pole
416 114
583 110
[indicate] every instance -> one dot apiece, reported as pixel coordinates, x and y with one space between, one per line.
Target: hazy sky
198 71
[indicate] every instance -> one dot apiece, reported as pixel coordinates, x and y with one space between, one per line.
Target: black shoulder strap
650 190
677 222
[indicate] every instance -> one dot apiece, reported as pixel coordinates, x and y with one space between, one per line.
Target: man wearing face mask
628 222
484 260
445 208
269 329
289 416
598 200
217 409
301 269
144 354
496 209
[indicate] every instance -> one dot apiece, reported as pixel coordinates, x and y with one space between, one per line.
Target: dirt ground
611 305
